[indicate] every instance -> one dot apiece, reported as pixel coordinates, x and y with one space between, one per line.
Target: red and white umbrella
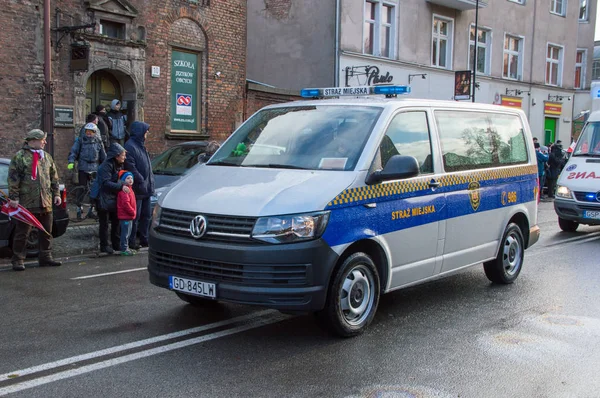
20 213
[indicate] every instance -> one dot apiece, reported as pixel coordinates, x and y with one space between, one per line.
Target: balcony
461 5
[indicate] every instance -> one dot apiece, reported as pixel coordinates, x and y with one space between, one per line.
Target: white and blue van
323 205
577 198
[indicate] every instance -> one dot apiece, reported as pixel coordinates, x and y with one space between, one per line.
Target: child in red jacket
126 208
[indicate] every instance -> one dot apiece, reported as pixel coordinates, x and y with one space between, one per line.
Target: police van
577 198
323 205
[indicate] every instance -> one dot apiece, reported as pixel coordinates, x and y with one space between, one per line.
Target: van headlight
156 216
290 228
564 192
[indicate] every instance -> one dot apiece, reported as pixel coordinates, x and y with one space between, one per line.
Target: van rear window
476 140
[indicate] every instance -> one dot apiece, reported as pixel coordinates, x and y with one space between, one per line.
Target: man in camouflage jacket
36 189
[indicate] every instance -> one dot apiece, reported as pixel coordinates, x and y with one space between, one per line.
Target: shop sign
184 91
513 102
552 108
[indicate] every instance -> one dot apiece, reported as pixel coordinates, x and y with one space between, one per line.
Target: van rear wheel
567 225
352 297
506 267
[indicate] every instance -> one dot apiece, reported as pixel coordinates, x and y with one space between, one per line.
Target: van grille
248 274
219 227
583 196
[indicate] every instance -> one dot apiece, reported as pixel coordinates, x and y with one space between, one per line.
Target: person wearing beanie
126 209
89 153
138 162
104 190
118 132
33 184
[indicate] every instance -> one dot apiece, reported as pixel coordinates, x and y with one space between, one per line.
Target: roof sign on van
354 91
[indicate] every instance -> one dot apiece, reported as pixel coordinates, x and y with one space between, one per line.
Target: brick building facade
134 50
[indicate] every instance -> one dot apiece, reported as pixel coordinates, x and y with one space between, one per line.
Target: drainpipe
47 90
531 69
336 62
475 42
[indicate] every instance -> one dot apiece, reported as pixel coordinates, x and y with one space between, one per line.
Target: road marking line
109 273
575 238
128 346
138 355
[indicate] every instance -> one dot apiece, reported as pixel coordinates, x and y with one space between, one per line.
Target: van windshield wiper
592 155
222 163
166 173
277 166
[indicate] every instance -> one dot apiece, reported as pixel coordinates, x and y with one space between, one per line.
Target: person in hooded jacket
555 163
118 131
105 189
138 163
89 153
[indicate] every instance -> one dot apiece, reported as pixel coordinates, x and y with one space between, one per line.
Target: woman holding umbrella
33 184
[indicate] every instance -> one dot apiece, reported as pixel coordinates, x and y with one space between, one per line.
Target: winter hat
123 174
93 127
114 103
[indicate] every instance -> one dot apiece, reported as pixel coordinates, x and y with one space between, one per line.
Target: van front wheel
567 225
352 298
506 267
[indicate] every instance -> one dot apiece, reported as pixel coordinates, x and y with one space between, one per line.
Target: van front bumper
573 211
288 277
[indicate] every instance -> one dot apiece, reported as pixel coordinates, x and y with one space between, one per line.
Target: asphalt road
74 332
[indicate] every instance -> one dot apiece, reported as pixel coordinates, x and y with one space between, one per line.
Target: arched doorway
101 88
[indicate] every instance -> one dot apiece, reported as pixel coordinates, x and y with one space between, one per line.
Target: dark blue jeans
141 222
125 232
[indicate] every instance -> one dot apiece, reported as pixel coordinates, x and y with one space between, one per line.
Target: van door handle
434 184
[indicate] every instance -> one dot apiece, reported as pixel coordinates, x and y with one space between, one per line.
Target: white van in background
361 197
577 199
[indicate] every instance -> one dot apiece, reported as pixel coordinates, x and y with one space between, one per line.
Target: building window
513 57
554 65
441 46
379 28
596 69
112 29
484 49
580 61
558 7
583 10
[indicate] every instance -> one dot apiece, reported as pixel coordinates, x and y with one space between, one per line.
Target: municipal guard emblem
474 194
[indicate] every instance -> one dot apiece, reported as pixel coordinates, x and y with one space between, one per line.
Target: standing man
542 158
138 163
33 183
103 125
118 132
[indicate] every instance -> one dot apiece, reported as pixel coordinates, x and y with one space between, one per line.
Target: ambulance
577 197
325 204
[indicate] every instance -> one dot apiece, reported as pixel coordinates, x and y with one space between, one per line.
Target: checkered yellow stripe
369 192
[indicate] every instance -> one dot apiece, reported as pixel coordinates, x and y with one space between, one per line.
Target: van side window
476 140
408 134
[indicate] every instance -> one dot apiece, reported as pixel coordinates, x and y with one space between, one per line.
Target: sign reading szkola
552 108
513 102
184 91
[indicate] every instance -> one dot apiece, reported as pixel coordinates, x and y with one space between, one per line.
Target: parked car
7 226
173 163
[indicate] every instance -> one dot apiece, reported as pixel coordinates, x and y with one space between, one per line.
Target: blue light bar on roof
391 90
353 91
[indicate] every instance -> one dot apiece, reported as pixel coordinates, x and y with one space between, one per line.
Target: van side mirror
397 167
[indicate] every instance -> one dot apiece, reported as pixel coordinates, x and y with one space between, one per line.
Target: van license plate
197 288
591 214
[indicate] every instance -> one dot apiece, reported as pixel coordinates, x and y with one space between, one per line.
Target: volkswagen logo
198 226
598 196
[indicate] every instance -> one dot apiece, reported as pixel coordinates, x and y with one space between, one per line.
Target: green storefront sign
184 91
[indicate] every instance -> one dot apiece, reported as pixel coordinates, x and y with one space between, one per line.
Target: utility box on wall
80 57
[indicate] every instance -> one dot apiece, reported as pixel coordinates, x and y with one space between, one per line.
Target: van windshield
589 141
323 137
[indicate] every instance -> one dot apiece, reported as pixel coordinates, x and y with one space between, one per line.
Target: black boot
18 266
45 260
